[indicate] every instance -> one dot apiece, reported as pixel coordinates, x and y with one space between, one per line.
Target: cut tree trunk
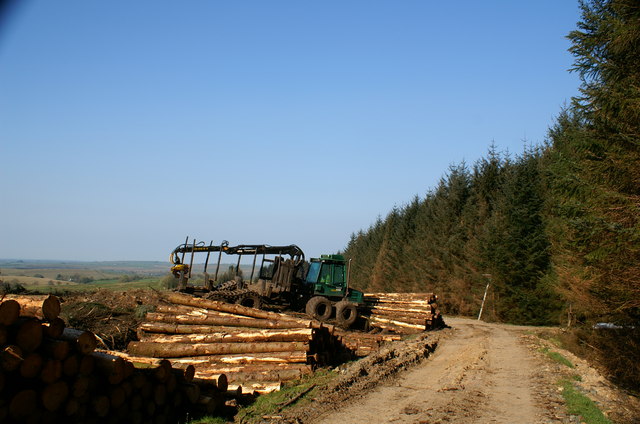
57 349
398 323
246 358
165 350
31 366
426 297
189 310
11 358
85 342
9 312
51 371
262 387
401 314
112 367
231 321
54 395
278 335
182 299
400 320
24 404
239 376
54 328
29 334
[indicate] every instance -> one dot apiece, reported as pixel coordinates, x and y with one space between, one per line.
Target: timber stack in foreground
403 313
255 349
52 374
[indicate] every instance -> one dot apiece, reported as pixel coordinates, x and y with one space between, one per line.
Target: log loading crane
320 287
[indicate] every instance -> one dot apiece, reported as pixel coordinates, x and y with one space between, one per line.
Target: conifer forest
553 231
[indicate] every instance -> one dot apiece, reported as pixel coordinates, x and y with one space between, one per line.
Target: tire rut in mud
359 378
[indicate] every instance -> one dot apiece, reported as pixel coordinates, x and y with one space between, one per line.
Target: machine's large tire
346 313
250 300
319 308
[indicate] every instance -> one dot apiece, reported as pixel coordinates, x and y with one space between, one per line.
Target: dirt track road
484 374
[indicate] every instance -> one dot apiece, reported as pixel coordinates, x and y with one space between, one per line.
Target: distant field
52 276
30 267
56 273
47 285
145 283
57 276
140 267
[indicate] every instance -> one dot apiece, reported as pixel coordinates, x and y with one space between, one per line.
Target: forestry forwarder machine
284 280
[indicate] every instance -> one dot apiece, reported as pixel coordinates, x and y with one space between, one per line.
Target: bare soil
479 373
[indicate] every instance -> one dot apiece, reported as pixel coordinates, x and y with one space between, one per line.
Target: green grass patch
579 404
273 403
547 335
107 284
209 420
557 357
557 342
80 278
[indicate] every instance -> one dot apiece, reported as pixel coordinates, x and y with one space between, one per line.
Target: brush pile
403 313
255 349
51 374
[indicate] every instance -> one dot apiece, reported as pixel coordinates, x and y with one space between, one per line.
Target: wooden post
485 295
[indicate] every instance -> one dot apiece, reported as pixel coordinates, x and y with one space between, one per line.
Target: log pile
50 374
403 313
255 349
363 344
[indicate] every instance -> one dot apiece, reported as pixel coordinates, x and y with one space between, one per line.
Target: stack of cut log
50 374
363 344
403 313
256 349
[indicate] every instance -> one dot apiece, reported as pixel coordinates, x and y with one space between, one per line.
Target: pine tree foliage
555 228
474 223
593 202
595 167
606 47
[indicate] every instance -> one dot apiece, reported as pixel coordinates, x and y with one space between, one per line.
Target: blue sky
126 126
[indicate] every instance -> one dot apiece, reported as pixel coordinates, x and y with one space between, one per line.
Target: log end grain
23 404
51 308
9 312
54 328
29 336
55 395
86 343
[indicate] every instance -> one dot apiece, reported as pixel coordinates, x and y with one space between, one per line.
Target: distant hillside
140 267
10 266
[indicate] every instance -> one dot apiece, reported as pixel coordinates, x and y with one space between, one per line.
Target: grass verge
274 403
210 420
557 357
579 404
297 392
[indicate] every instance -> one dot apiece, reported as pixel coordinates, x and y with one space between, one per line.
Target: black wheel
346 313
250 300
319 308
